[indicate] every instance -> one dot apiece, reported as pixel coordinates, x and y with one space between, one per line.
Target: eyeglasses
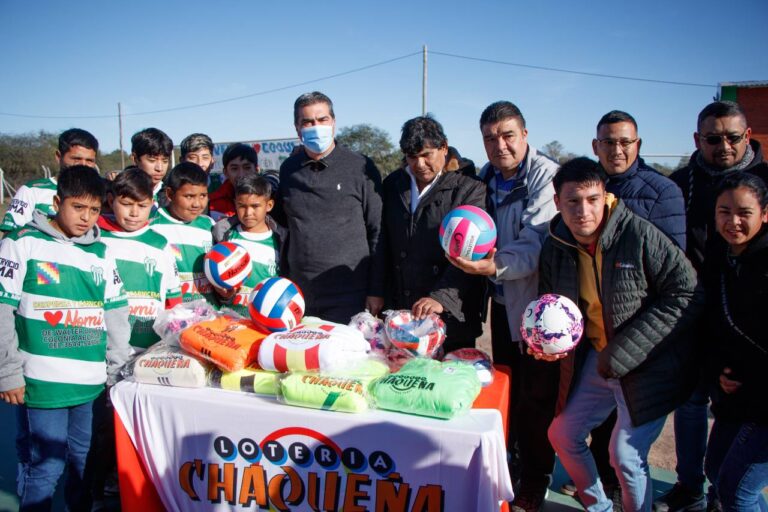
624 143
714 140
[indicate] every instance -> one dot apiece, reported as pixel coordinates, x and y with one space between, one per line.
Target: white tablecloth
208 449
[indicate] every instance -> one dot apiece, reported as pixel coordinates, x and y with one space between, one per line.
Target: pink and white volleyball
552 324
467 232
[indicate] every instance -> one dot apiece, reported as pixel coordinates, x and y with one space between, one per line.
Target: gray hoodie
116 320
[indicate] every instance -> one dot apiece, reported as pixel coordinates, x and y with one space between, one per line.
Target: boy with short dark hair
254 230
239 160
151 151
60 285
198 149
76 147
143 257
187 228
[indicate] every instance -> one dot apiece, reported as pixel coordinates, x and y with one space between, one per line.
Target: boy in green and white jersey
76 147
187 229
255 231
60 286
144 260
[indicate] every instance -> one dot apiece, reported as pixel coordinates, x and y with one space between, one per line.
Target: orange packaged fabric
228 342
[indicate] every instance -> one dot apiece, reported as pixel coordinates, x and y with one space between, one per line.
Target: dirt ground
663 450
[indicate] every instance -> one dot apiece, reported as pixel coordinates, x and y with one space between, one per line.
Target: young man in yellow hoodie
636 291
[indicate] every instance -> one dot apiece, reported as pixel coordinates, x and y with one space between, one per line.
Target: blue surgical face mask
317 138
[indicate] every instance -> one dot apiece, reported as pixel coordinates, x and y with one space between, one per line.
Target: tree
112 162
374 143
21 156
557 152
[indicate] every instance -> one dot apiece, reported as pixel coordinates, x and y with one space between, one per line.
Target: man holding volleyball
519 198
636 291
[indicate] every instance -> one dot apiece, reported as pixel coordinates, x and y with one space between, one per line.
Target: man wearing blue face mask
329 198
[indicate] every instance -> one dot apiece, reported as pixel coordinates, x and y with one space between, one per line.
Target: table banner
210 449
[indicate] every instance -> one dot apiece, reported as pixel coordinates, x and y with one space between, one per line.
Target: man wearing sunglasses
723 146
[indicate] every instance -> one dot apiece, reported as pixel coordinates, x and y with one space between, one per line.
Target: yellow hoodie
590 285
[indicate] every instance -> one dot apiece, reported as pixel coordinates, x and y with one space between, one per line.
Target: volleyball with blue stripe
467 232
227 265
276 304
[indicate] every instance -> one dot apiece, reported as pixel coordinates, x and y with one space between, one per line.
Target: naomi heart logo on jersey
185 288
53 318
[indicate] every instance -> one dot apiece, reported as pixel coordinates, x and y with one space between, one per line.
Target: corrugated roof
751 83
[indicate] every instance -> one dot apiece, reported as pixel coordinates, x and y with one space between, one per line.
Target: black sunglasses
714 140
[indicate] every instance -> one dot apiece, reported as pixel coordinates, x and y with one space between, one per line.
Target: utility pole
120 124
424 84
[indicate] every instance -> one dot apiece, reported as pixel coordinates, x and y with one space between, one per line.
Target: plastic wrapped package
170 322
372 329
479 360
168 365
416 337
247 380
230 343
321 346
428 388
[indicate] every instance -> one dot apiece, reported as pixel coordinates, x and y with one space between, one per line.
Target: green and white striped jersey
188 243
61 291
35 194
262 249
150 278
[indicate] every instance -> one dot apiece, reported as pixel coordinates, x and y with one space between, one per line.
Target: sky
63 61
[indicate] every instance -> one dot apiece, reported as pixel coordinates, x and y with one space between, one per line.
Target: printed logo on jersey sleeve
48 273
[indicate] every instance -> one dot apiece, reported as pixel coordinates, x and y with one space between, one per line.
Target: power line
215 102
571 71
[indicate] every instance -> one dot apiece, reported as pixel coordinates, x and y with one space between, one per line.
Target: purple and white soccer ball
552 324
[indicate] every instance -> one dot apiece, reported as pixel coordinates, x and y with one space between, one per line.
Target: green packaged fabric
328 392
248 380
428 388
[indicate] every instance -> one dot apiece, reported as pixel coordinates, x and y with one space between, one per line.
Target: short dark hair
499 111
151 141
253 184
77 137
240 150
750 181
80 181
133 183
186 173
616 116
422 132
581 170
718 109
310 98
195 142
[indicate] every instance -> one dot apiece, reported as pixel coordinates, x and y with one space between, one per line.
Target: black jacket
649 304
413 261
699 190
740 344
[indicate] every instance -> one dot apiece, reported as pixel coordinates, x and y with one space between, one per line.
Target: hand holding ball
552 324
227 265
467 232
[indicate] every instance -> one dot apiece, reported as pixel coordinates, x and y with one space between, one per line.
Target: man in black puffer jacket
636 291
